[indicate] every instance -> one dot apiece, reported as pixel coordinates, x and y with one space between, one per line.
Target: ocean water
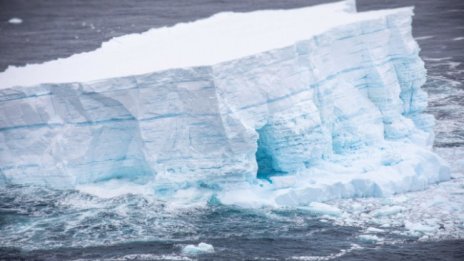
44 224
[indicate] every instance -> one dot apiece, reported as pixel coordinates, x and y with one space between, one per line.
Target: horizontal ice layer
336 114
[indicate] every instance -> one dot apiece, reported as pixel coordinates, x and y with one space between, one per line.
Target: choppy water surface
56 225
46 224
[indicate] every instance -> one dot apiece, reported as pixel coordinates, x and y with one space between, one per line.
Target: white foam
114 188
374 230
150 257
420 38
328 257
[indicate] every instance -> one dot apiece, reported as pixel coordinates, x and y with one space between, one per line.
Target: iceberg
275 108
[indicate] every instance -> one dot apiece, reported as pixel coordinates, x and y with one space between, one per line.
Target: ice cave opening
266 155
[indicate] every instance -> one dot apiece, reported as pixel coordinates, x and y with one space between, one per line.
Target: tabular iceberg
262 108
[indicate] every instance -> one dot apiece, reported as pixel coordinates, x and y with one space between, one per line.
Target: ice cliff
262 108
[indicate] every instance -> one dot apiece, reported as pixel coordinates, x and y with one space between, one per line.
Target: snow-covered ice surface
335 115
222 37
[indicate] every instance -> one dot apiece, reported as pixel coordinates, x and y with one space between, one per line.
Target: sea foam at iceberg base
268 108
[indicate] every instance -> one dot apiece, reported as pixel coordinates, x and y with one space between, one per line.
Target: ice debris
15 20
322 209
201 248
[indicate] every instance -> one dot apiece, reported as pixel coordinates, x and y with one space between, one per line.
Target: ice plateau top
278 108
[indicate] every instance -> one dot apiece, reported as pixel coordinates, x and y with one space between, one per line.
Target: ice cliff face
339 114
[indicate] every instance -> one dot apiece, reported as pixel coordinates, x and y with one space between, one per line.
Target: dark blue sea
39 223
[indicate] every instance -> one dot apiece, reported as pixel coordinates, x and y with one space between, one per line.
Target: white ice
15 20
436 213
222 37
201 248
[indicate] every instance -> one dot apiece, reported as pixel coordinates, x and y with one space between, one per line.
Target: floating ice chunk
370 238
15 20
387 211
322 209
419 227
202 248
374 230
